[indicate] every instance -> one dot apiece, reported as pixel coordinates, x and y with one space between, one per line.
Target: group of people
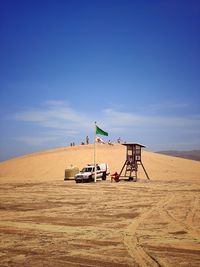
98 140
72 144
82 143
86 141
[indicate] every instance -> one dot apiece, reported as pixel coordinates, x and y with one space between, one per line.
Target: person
87 140
119 140
115 177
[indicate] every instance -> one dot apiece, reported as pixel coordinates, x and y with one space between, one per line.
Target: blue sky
132 66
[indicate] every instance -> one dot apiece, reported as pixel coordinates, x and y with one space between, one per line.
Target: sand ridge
50 165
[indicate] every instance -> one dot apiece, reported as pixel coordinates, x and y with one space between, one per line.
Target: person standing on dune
87 140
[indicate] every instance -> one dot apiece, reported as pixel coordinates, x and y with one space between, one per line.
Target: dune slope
50 165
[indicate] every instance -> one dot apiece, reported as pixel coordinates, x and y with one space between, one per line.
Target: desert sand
46 221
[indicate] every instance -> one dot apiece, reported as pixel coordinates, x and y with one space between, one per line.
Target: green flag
101 132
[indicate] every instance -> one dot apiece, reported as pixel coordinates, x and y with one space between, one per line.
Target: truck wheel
90 179
104 176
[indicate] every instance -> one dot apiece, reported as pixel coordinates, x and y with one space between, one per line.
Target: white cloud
35 140
128 119
168 106
59 120
54 114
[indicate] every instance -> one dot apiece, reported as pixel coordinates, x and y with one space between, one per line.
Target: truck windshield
89 169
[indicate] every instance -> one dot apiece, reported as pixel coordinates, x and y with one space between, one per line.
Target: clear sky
131 65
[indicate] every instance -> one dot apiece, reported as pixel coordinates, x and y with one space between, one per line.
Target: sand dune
50 165
48 222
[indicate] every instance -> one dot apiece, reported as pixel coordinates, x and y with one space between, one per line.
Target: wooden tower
133 159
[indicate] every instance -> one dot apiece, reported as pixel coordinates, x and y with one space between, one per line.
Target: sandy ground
48 222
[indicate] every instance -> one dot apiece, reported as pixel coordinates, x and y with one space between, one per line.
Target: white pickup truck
87 174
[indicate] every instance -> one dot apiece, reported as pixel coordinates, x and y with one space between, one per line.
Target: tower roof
132 144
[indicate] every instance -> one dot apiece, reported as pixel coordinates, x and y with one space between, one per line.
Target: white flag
99 140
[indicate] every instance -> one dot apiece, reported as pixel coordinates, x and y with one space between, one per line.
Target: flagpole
95 174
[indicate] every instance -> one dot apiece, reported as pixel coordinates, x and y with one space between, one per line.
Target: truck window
87 169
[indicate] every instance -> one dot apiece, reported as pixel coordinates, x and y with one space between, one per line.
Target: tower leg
145 171
122 169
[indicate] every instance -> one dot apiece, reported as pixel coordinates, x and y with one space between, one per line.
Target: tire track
192 213
187 224
131 239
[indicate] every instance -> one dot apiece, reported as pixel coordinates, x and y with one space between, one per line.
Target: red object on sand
115 176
